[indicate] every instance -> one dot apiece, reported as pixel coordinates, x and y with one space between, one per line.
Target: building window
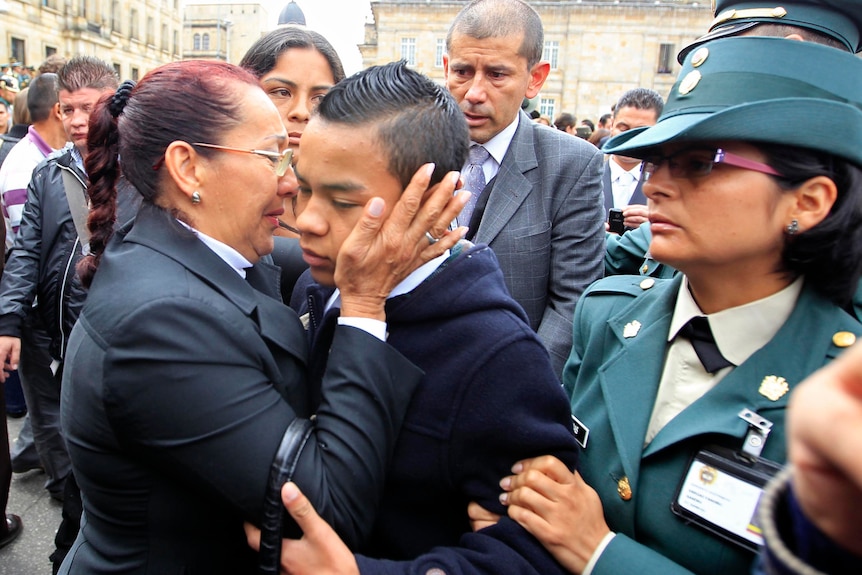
438 55
176 50
115 16
135 74
408 50
117 70
133 25
151 31
205 45
82 8
547 107
50 51
18 52
165 37
665 58
551 53
196 42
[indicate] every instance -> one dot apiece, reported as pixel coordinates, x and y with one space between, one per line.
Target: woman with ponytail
185 376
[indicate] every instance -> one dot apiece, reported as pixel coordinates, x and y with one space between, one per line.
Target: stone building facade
222 31
133 35
598 49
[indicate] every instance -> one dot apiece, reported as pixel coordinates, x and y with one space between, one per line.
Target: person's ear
538 74
185 167
55 109
813 201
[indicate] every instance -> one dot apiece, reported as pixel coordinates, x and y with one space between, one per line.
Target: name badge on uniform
721 493
582 432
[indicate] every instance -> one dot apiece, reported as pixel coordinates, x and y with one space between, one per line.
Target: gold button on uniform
624 489
689 83
844 339
700 56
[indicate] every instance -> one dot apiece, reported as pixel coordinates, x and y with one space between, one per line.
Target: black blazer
180 381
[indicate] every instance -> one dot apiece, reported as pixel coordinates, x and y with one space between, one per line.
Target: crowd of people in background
269 318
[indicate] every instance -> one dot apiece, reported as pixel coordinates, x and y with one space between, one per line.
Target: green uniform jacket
613 380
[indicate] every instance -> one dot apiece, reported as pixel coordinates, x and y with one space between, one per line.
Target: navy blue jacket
489 398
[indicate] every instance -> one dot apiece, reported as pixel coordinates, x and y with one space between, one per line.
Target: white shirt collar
617 171
499 144
739 331
406 285
230 256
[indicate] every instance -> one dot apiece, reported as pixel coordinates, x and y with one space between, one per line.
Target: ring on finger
431 239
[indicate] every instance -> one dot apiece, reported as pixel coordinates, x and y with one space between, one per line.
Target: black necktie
698 333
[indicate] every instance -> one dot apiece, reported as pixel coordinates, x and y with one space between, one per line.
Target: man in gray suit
537 193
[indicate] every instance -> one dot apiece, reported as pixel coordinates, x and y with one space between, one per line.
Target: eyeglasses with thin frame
280 160
699 163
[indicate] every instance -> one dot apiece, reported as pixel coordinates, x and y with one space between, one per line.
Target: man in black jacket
41 264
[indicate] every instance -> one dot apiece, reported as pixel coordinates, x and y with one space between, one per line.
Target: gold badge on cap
773 387
844 339
689 83
647 283
699 57
631 329
624 489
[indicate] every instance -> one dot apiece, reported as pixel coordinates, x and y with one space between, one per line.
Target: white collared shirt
229 255
623 182
739 332
497 148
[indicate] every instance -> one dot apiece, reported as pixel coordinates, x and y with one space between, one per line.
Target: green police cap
841 20
760 90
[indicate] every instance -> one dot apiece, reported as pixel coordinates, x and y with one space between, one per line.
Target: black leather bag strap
282 470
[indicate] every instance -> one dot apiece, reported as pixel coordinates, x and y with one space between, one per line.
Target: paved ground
28 555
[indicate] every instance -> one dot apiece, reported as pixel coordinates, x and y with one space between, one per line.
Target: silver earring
196 197
792 228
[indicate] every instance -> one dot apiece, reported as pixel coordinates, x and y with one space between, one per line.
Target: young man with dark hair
489 395
622 181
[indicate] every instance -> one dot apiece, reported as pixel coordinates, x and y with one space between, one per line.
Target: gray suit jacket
544 219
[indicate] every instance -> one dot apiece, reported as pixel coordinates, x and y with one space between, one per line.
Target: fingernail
454 177
463 231
290 492
464 195
518 467
429 169
376 205
505 482
504 498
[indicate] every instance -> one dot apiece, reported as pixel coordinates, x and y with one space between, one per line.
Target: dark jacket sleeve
793 544
498 425
185 389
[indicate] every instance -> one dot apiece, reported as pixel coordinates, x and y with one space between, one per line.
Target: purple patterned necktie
474 182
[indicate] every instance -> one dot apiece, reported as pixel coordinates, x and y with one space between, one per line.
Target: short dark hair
829 255
604 119
42 96
86 72
261 58
414 120
565 120
642 99
482 19
190 101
